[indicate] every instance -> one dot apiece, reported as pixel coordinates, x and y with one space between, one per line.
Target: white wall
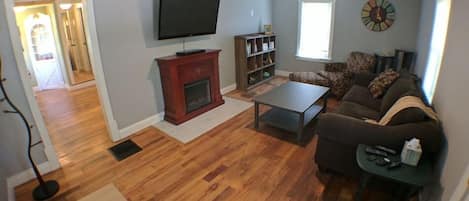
350 34
13 138
427 16
128 50
452 97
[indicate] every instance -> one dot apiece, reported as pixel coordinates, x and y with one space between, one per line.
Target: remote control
381 162
371 158
394 165
373 151
385 149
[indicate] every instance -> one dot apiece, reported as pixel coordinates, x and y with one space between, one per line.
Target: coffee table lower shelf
288 120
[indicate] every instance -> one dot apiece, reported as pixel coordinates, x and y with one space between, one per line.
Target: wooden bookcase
255 59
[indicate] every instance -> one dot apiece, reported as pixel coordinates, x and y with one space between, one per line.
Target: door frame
97 67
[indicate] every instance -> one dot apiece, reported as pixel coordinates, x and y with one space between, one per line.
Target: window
315 29
437 46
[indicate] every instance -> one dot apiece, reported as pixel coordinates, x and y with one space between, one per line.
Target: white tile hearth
196 127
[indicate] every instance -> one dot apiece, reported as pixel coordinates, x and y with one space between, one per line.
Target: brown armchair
338 76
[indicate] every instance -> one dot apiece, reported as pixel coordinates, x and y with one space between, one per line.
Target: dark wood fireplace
190 85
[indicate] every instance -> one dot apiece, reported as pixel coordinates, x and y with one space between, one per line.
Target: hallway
75 122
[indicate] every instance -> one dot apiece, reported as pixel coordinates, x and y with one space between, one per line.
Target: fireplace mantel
178 73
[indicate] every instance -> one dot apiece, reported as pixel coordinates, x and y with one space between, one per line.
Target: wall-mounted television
184 18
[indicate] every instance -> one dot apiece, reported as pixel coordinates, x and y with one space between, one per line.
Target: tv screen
183 18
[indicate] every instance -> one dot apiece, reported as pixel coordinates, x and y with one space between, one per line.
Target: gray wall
451 98
12 133
128 50
427 16
349 32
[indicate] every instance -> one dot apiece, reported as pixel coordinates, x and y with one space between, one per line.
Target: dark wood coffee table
293 104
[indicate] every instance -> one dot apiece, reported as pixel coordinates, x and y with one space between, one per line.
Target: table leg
363 183
412 191
256 115
301 123
325 103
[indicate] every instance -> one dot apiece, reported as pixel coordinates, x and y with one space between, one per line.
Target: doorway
39 41
54 44
76 53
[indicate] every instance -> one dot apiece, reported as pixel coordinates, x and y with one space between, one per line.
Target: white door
43 52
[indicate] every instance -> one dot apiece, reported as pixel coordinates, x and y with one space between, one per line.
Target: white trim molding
27 84
26 176
82 85
228 89
97 66
134 128
93 43
150 121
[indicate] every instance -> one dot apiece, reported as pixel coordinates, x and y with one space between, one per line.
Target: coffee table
293 104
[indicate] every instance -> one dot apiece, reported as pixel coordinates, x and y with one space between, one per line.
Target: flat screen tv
184 18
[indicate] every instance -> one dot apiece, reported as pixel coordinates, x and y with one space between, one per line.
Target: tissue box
411 155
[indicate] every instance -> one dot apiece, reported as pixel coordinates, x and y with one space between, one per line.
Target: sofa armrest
363 79
335 67
351 131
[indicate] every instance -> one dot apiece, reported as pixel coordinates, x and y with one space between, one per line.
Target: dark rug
124 150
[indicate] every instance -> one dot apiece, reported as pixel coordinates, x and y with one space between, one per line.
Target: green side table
410 179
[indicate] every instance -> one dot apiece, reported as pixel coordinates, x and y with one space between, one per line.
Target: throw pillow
381 83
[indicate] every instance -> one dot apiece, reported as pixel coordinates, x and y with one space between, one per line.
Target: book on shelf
272 45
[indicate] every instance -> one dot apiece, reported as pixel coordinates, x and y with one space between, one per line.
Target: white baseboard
282 73
228 89
26 176
82 85
132 129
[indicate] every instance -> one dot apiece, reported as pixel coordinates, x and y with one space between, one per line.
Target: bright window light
437 46
65 6
315 29
19 9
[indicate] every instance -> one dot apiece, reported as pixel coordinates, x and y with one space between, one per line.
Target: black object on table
410 179
293 104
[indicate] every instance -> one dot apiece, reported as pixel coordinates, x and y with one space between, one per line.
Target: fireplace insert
197 95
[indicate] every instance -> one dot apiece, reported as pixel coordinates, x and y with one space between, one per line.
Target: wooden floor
81 77
230 162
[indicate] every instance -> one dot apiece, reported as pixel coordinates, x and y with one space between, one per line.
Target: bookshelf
255 59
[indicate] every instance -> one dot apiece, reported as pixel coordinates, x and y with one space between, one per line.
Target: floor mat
107 193
124 150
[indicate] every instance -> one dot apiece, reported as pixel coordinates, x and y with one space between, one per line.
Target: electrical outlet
252 12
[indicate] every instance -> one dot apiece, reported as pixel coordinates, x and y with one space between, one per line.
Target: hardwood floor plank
230 162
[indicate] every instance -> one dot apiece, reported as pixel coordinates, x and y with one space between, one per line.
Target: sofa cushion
404 86
357 111
409 115
340 84
359 62
361 95
381 83
310 78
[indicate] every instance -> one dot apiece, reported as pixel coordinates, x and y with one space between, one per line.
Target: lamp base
47 191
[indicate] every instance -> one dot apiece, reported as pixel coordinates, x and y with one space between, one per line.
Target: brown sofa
341 131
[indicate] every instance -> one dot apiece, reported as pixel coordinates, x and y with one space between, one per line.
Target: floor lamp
46 189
